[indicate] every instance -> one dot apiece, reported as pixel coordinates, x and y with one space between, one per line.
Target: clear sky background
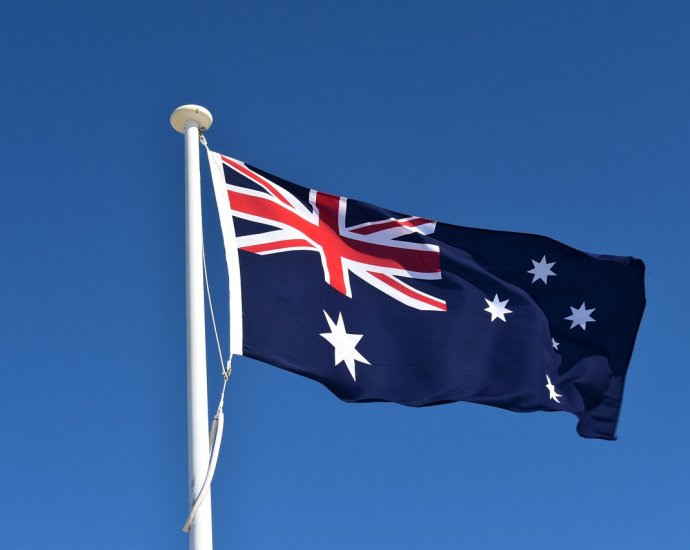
567 119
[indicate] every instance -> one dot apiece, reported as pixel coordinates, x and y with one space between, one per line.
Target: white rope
219 421
217 434
210 306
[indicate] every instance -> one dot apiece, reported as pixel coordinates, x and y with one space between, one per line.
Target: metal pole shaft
201 535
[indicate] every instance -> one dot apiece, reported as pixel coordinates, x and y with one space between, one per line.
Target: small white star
497 309
555 344
542 270
580 316
552 390
344 344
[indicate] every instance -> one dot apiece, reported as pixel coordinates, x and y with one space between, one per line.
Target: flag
380 306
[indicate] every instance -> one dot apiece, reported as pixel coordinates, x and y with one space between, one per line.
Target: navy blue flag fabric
380 306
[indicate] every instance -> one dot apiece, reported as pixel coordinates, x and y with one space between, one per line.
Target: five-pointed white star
497 309
555 344
580 316
552 390
344 344
542 270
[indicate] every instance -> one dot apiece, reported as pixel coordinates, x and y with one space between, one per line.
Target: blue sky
557 118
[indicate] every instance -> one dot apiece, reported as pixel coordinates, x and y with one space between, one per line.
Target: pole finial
197 113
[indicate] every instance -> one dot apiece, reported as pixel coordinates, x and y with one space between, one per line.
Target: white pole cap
197 113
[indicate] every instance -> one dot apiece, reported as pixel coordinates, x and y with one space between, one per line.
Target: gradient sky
567 119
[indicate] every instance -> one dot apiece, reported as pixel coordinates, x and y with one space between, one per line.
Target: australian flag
380 306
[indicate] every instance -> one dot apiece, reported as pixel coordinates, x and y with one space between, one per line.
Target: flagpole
189 120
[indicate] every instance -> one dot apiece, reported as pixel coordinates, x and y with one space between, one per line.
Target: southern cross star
344 344
580 316
497 309
542 270
555 344
552 390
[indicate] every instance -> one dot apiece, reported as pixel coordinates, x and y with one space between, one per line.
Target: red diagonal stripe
256 178
407 291
390 224
277 246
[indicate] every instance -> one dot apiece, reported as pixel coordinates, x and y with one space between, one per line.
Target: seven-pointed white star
497 309
344 344
552 390
555 344
580 316
542 270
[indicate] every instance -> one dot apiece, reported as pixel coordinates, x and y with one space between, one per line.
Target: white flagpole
188 120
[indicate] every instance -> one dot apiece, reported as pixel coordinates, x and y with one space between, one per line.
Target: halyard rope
210 306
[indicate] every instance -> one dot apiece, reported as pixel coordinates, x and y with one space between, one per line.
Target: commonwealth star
344 344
